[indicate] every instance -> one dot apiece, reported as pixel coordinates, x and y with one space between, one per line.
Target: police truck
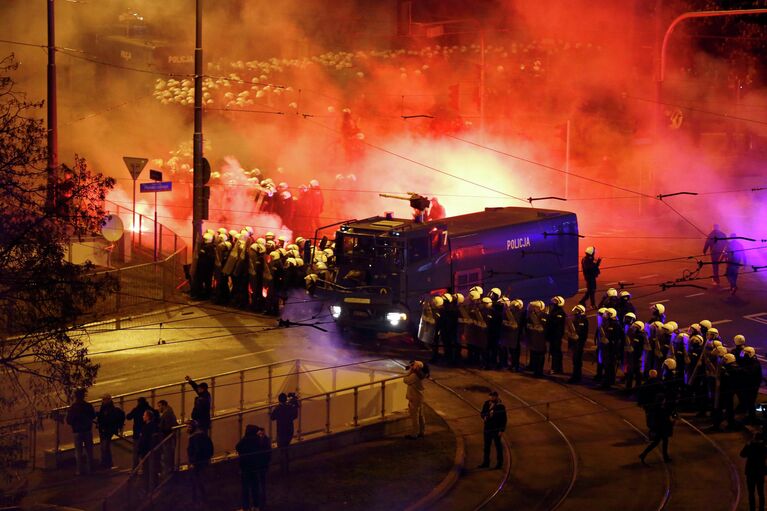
386 266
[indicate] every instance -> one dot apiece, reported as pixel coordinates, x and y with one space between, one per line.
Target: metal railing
319 414
230 391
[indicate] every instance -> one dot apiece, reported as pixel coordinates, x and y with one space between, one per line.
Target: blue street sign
161 186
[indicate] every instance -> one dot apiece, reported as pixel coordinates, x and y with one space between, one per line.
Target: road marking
721 322
613 283
650 276
761 317
659 301
248 354
695 294
114 380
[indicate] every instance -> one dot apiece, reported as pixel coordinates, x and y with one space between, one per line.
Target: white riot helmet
625 294
495 293
590 251
505 300
749 351
207 237
459 298
705 324
629 316
487 302
611 313
671 326
670 364
712 333
517 303
659 307
696 339
558 300
717 344
438 301
638 325
729 358
448 297
739 340
474 295
612 292
478 290
579 309
720 351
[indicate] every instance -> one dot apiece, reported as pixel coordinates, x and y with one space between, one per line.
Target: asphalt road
202 339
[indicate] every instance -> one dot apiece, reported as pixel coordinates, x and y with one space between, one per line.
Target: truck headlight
335 311
395 317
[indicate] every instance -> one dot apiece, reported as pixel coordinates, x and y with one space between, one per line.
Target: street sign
135 165
155 175
162 186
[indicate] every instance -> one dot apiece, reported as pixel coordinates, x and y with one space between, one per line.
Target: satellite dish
112 228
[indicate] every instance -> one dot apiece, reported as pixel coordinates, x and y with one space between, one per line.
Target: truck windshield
358 247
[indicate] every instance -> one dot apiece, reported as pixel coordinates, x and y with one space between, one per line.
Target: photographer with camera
416 373
284 414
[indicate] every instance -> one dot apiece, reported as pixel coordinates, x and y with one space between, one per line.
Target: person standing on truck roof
590 269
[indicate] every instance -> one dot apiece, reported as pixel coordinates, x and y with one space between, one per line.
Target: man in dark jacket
202 404
199 451
137 416
80 417
494 415
284 414
590 270
255 451
110 420
150 437
755 453
167 422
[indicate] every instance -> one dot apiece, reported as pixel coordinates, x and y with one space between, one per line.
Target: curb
450 479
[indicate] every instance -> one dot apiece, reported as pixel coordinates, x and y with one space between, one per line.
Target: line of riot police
493 330
257 273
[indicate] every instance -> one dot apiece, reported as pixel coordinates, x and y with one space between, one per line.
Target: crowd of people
238 268
155 435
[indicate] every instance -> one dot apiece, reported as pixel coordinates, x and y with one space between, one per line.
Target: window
417 249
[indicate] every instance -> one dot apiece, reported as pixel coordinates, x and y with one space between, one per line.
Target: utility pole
53 146
197 138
